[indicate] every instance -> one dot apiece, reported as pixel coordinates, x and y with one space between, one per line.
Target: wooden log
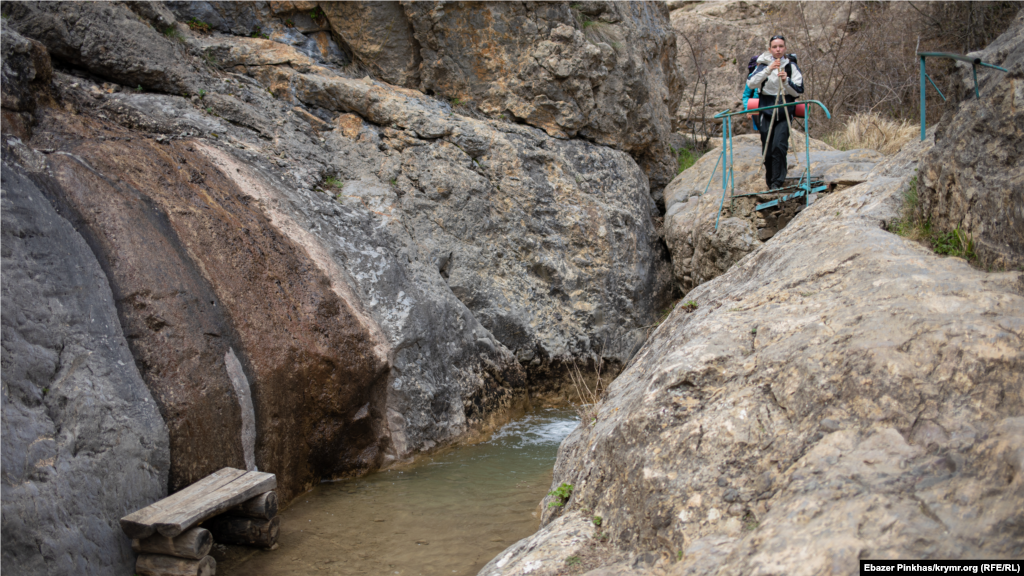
245 531
139 524
263 506
160 565
192 544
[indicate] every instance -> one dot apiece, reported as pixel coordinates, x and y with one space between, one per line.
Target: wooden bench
165 532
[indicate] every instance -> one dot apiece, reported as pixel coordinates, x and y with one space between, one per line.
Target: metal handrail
728 176
972 60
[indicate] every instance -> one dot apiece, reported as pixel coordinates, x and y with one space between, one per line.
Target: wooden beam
263 506
159 565
245 531
210 496
193 544
139 524
180 518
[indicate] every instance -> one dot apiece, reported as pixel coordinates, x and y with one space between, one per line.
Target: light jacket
794 84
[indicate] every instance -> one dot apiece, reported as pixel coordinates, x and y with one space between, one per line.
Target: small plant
138 88
316 14
455 101
573 560
332 182
289 23
750 523
754 330
259 33
394 181
46 391
596 520
685 157
690 305
954 243
173 33
209 110
210 58
202 94
198 25
561 494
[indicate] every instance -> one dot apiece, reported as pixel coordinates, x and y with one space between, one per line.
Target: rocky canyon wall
315 272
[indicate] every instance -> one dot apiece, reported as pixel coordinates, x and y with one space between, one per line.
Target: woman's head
777 46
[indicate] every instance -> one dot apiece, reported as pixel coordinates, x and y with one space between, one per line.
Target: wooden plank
139 524
193 544
245 531
174 521
263 506
159 565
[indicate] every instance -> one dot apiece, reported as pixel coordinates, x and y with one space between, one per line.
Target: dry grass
588 395
869 130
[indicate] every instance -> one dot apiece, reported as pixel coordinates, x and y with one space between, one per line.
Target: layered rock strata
840 393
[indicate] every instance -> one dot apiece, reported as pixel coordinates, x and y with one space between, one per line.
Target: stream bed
449 514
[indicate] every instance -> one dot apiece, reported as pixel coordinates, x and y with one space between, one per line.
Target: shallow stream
447 515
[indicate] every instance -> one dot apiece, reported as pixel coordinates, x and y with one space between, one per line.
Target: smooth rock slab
83 441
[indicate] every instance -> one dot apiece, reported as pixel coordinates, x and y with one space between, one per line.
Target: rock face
25 77
83 441
715 41
699 252
971 180
378 273
107 40
840 393
601 71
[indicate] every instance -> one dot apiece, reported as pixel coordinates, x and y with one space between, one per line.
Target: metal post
974 71
922 98
713 174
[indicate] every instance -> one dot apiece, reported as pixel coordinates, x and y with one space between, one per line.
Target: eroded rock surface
972 180
840 393
699 252
83 441
381 273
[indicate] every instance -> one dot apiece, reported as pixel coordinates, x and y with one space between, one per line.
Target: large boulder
972 180
83 440
841 393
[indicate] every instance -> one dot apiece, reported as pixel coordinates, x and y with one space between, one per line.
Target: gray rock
108 40
971 181
83 442
835 319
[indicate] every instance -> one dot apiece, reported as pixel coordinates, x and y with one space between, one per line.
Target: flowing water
447 516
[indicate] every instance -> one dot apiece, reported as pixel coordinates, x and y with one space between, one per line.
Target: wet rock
83 441
202 274
971 180
919 356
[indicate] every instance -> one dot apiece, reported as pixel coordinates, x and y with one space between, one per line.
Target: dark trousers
778 136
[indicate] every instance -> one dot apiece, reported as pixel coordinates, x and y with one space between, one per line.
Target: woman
778 79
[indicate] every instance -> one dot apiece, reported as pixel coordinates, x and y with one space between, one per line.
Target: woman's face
777 48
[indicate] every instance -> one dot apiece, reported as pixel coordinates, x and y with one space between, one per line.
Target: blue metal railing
728 175
974 62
